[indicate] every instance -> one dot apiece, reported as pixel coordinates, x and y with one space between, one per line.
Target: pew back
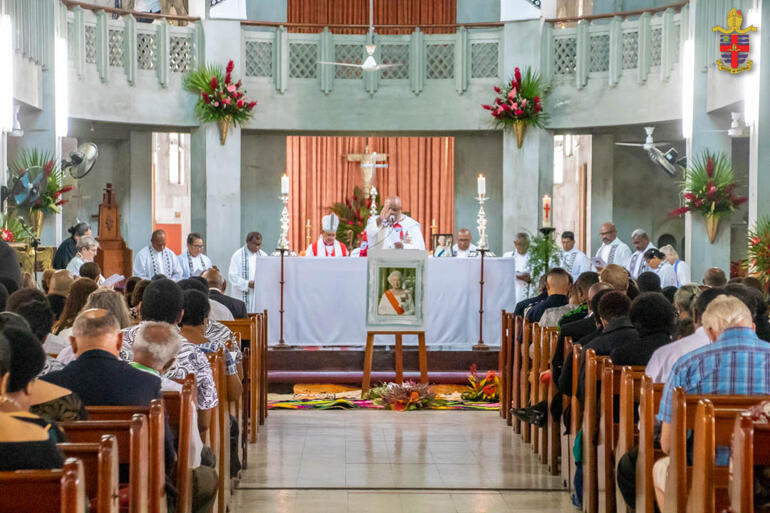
100 464
61 490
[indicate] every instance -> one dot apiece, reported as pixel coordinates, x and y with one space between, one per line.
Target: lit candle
285 184
547 214
482 185
433 226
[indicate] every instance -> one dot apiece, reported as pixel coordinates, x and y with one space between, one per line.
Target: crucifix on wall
368 161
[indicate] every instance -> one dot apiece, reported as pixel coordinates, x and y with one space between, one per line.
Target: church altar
325 300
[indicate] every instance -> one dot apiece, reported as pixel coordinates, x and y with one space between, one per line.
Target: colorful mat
349 404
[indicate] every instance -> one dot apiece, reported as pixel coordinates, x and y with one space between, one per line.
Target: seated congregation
135 400
644 398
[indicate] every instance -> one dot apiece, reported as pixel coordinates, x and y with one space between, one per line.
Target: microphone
391 219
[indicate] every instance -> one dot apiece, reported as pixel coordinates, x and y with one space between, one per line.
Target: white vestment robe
667 274
336 250
406 230
575 262
468 253
682 270
243 269
616 252
637 265
148 263
521 262
193 266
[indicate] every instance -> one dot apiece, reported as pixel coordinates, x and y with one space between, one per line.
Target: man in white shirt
392 229
523 269
243 269
464 247
663 359
574 261
641 243
613 250
327 244
192 260
157 259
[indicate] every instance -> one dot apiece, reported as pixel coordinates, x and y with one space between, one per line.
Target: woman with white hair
86 252
681 268
396 300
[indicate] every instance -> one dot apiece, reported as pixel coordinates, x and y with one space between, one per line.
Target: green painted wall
263 160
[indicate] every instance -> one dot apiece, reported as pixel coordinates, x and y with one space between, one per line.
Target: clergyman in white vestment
572 260
243 269
392 229
523 269
327 244
464 247
157 259
613 250
641 242
192 260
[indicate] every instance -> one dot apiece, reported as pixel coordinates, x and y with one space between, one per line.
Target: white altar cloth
325 300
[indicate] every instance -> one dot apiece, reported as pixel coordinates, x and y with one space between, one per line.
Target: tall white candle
285 184
482 185
547 211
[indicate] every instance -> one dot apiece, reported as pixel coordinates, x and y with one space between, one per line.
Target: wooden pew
594 368
504 371
576 409
515 357
649 402
100 464
750 447
627 431
263 384
246 329
545 360
180 408
532 377
554 446
524 387
157 464
219 432
133 449
62 490
683 414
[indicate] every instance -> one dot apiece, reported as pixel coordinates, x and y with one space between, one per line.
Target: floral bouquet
484 389
11 229
39 170
353 214
406 396
519 103
758 261
709 189
219 98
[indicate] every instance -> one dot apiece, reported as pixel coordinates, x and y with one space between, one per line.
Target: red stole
343 249
394 302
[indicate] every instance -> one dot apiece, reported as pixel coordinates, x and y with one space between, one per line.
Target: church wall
474 154
475 11
739 220
263 157
266 10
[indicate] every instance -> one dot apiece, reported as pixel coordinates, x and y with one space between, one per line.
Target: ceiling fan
670 161
370 63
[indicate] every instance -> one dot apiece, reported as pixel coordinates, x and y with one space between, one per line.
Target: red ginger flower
710 167
230 66
48 168
517 75
213 83
206 98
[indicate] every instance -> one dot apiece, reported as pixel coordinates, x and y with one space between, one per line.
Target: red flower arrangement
519 100
484 389
353 214
709 187
758 261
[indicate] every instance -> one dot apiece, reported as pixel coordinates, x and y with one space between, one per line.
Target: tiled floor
366 460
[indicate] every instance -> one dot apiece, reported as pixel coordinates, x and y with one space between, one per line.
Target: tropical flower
219 98
519 99
709 187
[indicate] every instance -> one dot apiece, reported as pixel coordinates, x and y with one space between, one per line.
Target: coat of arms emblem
734 44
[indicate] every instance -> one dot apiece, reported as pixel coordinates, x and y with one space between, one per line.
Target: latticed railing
33 24
280 56
609 49
122 48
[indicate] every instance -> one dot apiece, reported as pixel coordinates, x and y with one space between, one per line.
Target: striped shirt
738 363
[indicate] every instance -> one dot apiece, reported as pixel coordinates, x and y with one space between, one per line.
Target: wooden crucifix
368 161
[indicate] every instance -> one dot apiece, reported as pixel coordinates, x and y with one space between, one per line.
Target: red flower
712 190
678 211
216 104
206 98
517 75
226 101
238 94
710 166
239 103
536 99
213 83
755 240
60 202
497 89
689 196
489 390
537 108
231 88
740 200
67 189
48 168
227 78
490 375
519 112
238 84
230 66
56 194
6 235
487 107
252 105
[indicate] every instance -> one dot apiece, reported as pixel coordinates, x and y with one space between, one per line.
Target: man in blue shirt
735 362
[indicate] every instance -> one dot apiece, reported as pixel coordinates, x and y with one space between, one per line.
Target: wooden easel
423 355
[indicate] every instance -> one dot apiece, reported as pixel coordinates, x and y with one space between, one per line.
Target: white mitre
330 223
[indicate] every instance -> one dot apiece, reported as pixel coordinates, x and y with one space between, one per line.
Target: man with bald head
217 285
98 376
157 259
613 250
392 229
557 283
464 247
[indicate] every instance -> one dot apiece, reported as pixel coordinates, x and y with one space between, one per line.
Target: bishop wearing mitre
327 244
392 229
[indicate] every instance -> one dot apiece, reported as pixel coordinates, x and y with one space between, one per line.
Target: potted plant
219 98
758 261
708 189
519 103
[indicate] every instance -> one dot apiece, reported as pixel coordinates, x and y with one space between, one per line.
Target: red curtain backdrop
386 12
420 170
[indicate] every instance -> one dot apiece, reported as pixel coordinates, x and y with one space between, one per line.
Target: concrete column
759 176
216 168
600 189
137 210
700 253
521 166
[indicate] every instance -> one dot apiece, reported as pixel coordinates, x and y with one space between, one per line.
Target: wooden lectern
114 257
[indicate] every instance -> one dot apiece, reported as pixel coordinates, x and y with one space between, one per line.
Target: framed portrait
395 290
442 244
